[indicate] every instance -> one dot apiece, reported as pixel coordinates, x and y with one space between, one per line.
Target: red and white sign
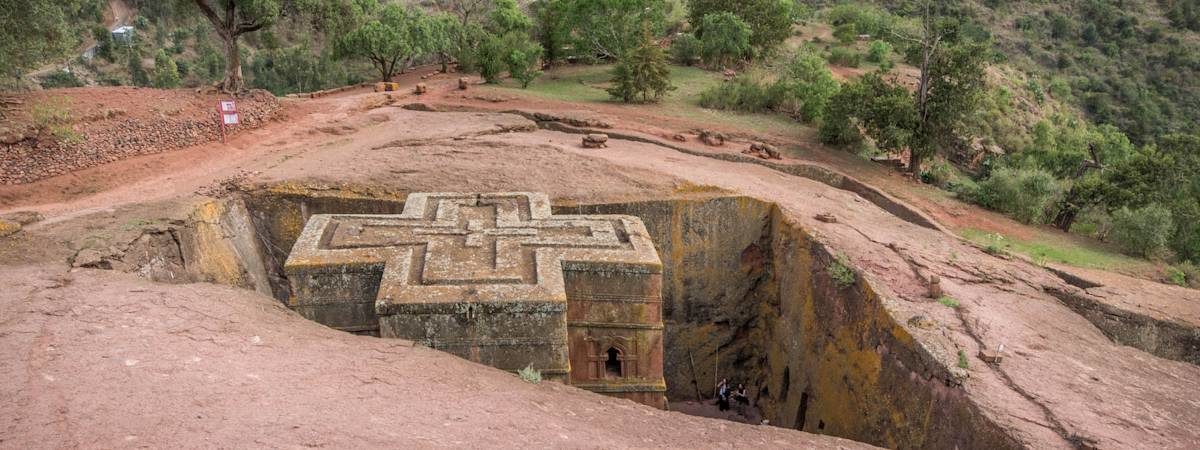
227 109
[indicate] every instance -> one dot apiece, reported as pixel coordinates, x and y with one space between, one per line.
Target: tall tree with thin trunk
232 19
949 87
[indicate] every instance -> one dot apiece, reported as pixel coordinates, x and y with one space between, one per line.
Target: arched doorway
612 365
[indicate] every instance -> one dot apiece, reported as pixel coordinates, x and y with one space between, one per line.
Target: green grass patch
589 84
949 301
962 359
841 273
1064 251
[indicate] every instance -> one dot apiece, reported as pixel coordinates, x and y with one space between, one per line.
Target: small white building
123 34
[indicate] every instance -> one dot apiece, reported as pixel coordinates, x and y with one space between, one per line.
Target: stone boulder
763 150
421 88
22 217
9 227
712 138
595 140
463 82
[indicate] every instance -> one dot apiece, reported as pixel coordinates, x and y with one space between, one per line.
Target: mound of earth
63 130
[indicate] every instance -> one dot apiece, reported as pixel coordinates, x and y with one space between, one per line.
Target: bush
1025 194
841 273
845 57
802 90
61 79
1144 231
806 88
295 69
938 173
686 49
726 39
137 74
530 374
743 93
642 72
524 64
845 33
166 73
878 51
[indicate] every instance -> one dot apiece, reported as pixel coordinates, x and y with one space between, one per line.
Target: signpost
227 110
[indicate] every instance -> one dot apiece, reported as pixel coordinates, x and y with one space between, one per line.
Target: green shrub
948 301
1025 194
841 273
1144 231
845 57
61 79
805 88
166 73
870 20
878 51
1176 276
743 93
686 49
802 90
642 74
1186 274
938 173
845 33
726 40
530 374
524 62
962 359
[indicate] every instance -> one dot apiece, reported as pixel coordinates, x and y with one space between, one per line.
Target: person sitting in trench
740 396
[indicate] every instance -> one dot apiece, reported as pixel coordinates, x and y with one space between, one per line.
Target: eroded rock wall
749 297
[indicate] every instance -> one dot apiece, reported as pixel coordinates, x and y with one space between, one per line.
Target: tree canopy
35 31
770 21
393 38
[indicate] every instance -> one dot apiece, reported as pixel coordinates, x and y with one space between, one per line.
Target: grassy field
588 84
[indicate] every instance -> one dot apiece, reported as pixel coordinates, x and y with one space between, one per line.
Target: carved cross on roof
448 247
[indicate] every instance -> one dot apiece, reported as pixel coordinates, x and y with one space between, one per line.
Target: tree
444 39
465 10
137 74
389 41
605 28
166 73
34 31
726 39
642 72
524 63
232 19
809 86
948 89
770 21
883 109
506 45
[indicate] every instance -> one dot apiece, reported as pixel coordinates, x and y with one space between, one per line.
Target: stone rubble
595 140
111 135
